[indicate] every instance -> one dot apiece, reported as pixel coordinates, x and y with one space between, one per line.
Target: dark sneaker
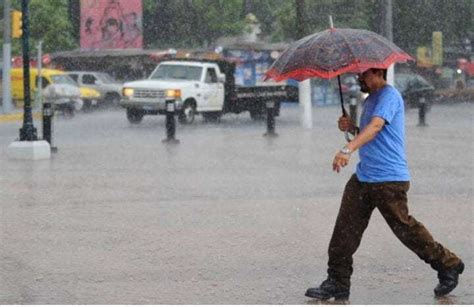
329 289
448 280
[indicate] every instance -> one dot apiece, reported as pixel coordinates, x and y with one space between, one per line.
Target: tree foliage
49 22
190 23
51 25
415 21
199 23
353 14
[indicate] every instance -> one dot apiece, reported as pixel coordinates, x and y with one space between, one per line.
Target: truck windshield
63 79
105 78
181 72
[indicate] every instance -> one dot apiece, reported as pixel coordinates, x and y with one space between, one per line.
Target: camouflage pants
390 198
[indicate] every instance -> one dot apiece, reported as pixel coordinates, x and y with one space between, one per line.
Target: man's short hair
384 72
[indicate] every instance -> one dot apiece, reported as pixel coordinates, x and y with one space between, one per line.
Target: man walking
381 181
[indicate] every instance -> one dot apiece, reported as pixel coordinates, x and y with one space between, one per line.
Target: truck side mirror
221 78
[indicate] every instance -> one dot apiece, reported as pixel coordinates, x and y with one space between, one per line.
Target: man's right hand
345 124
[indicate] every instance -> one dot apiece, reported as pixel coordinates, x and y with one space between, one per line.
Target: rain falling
236 152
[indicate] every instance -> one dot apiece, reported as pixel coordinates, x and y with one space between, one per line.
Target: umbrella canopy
335 51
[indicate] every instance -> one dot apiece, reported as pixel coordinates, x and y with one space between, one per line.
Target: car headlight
173 94
127 92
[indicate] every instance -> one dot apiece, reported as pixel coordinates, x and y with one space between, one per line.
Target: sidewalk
16 115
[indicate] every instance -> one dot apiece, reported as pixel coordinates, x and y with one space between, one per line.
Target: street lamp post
28 131
28 147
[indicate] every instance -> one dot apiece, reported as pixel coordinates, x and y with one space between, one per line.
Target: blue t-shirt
383 158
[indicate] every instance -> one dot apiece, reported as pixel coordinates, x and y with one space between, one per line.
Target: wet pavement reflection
226 216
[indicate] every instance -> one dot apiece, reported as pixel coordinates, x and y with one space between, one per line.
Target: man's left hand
340 161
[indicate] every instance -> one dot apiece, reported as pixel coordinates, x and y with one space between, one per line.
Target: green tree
345 13
49 22
415 21
186 23
284 28
217 18
269 14
198 23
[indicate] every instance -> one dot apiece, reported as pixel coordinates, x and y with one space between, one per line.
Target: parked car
414 88
48 77
110 89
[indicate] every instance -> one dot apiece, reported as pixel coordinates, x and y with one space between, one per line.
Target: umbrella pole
344 113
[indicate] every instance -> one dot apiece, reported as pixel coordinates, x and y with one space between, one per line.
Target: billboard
111 24
251 65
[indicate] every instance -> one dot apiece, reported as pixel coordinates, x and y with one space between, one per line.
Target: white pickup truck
204 87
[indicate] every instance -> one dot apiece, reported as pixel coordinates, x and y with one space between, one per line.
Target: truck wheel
186 116
134 116
87 107
112 99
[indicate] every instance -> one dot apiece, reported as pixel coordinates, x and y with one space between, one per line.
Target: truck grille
146 93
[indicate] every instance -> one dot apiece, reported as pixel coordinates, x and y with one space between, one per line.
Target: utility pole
28 131
7 50
247 8
389 35
304 87
385 17
39 93
74 6
388 23
300 18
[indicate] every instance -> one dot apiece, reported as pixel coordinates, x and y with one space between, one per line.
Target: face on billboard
111 24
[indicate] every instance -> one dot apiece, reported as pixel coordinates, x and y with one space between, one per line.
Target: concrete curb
17 117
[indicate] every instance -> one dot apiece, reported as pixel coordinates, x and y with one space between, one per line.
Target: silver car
109 88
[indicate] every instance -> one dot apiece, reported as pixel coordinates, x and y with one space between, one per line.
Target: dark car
414 89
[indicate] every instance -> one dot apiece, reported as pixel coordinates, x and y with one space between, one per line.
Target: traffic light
17 24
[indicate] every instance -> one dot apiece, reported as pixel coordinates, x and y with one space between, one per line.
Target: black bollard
48 114
422 112
170 122
270 106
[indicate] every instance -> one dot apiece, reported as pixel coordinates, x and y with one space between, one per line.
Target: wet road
225 217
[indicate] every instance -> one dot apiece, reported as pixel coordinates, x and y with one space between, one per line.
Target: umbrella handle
344 112
348 136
